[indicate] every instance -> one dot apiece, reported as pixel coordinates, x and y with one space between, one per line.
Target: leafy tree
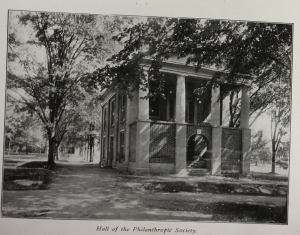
258 141
264 155
48 56
259 53
283 150
280 119
85 127
21 129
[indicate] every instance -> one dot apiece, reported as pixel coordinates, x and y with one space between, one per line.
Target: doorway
197 152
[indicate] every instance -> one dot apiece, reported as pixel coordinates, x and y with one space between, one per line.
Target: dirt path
85 191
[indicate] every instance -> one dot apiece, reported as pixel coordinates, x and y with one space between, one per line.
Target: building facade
168 134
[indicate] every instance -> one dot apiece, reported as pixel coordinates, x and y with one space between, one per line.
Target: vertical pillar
143 134
143 108
246 132
216 132
216 150
180 152
215 107
246 146
180 99
245 108
131 116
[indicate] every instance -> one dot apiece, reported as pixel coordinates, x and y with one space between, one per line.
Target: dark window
71 150
122 146
104 118
111 150
206 110
172 108
112 113
189 111
154 108
104 147
123 108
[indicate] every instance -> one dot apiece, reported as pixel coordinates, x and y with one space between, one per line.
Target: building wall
160 154
162 143
231 149
112 153
132 142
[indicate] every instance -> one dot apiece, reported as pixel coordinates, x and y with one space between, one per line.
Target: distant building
168 135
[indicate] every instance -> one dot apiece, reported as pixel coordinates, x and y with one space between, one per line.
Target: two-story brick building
167 135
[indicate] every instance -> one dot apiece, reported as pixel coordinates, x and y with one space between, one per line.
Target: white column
180 150
246 147
131 116
215 107
180 99
246 132
143 110
216 132
245 108
143 134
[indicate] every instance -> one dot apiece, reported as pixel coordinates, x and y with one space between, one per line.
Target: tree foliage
280 120
85 128
256 53
48 62
22 129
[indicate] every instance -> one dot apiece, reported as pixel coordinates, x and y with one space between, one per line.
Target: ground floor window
122 146
103 147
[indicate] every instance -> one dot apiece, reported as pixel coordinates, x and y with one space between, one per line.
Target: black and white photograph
144 118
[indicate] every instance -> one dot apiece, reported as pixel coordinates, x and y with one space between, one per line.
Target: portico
157 132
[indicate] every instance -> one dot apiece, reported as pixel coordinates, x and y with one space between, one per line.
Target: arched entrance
197 152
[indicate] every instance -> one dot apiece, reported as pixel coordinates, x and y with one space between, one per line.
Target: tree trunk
91 148
8 147
51 152
273 161
88 148
57 153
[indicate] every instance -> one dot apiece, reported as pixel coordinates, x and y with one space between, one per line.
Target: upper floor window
123 107
172 109
154 108
189 111
112 113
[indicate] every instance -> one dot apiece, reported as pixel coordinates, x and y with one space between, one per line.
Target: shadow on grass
217 188
228 211
29 176
36 164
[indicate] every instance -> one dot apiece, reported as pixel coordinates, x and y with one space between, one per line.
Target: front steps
195 168
198 172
